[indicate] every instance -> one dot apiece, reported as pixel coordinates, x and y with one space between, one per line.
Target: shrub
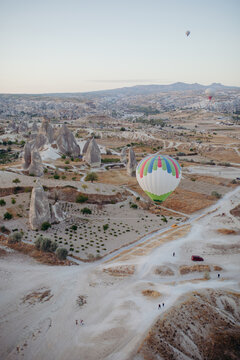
3 229
27 189
74 227
14 238
56 176
63 156
7 216
45 244
38 242
134 206
84 186
86 211
216 194
61 253
13 201
2 202
81 198
138 198
53 246
16 181
45 225
92 176
105 227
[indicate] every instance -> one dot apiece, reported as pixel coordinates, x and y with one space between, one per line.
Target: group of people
160 306
79 322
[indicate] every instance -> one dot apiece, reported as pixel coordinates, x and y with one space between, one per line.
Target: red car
196 258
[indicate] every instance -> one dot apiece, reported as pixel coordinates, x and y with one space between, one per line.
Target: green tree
2 202
81 198
14 238
7 216
45 225
61 253
92 176
86 211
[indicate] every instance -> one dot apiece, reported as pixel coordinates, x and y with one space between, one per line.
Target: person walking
159 306
173 253
162 304
76 322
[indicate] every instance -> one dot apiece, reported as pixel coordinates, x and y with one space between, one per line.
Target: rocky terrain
202 325
67 170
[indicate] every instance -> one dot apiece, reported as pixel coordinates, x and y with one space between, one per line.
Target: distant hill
136 90
151 89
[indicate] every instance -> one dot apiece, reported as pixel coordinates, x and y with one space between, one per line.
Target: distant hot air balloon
187 32
158 175
210 93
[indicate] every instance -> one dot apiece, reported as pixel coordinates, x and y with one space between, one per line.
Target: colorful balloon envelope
210 93
158 175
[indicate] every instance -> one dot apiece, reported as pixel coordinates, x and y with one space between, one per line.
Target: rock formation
66 142
123 155
39 207
26 156
23 127
86 146
57 213
40 141
34 127
132 163
47 130
36 167
93 154
45 135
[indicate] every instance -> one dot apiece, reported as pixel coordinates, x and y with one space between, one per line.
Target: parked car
196 258
174 225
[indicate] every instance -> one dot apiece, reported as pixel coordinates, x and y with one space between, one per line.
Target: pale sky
85 45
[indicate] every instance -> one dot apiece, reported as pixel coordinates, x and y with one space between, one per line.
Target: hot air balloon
210 93
158 175
187 32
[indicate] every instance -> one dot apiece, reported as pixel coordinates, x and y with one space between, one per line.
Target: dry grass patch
185 269
217 268
38 296
226 231
188 202
121 270
164 271
151 293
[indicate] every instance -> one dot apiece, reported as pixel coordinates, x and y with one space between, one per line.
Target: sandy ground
39 304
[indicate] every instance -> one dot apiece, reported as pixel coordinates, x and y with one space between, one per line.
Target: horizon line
117 88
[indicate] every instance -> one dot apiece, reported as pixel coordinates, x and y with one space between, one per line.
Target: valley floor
42 306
